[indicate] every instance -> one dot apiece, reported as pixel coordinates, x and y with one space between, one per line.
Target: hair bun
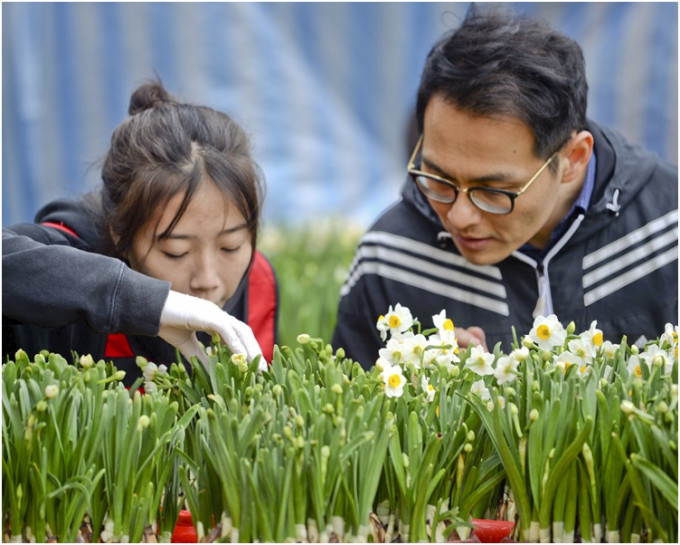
148 96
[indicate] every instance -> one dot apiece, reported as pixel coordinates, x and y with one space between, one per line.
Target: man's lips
471 243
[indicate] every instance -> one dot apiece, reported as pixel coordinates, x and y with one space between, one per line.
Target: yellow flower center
380 318
584 368
597 339
430 388
448 324
394 381
543 332
638 371
394 321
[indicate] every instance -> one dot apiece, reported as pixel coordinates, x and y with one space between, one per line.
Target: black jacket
617 264
92 295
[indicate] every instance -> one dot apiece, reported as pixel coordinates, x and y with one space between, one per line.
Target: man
516 205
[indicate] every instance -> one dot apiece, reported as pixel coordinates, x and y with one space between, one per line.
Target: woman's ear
115 237
577 155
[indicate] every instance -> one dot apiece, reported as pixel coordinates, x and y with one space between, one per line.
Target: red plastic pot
492 531
184 531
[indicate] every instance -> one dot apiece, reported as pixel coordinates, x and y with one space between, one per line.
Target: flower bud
634 349
662 407
40 360
336 388
467 447
513 409
658 361
143 422
41 406
340 353
87 361
51 391
277 390
571 327
627 406
455 371
471 436
303 338
299 421
533 415
404 459
328 409
287 432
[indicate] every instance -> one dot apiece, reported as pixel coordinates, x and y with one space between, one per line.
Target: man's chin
482 258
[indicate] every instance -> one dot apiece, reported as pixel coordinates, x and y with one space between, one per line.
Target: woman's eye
174 256
231 250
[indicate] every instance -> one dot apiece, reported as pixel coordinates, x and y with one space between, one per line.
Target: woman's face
207 252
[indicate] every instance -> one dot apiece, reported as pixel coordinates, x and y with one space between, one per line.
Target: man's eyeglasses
488 199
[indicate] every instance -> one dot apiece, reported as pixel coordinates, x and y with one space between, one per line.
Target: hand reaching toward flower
471 336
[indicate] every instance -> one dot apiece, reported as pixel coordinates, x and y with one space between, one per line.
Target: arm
50 285
47 282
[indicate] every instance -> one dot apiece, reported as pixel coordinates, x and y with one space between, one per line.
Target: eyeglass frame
512 195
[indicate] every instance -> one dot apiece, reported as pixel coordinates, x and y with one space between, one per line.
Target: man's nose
462 213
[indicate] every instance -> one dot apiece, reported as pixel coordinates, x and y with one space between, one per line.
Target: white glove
183 315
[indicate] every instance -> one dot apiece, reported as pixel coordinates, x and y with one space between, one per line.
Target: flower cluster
406 347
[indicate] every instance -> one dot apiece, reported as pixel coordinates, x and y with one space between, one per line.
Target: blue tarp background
324 89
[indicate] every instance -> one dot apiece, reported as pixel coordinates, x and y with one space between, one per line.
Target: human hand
472 335
183 315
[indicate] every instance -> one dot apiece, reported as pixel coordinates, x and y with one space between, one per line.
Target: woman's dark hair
498 64
166 148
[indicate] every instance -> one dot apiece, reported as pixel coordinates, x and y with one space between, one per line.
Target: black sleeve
49 280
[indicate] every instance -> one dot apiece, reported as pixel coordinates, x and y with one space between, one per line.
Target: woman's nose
205 276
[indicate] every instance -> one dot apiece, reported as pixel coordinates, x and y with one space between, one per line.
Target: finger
248 340
191 347
466 338
479 334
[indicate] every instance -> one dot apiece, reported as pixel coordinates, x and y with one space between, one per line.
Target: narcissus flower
653 352
479 389
506 369
635 366
414 349
428 389
593 336
394 381
393 353
480 361
396 321
547 332
583 349
566 359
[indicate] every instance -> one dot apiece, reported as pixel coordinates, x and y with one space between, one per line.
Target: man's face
474 151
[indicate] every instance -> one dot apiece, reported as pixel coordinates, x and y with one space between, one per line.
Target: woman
165 249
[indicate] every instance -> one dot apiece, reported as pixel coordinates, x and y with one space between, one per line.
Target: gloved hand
183 315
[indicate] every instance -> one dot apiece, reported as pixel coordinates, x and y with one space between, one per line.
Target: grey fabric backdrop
324 89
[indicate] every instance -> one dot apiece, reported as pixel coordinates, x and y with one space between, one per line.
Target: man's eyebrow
494 177
180 236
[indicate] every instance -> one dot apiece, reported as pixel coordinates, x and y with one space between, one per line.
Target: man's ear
577 155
